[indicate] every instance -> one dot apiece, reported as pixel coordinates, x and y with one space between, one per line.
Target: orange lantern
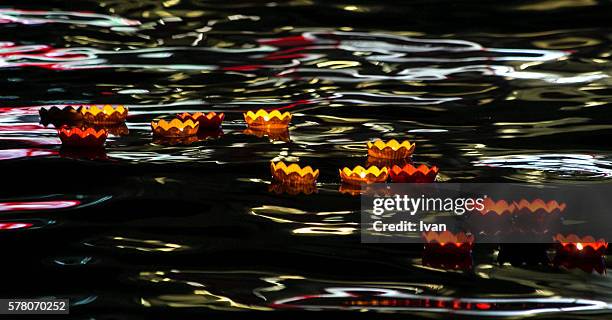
82 138
359 175
391 149
263 119
575 245
175 128
293 174
409 173
106 115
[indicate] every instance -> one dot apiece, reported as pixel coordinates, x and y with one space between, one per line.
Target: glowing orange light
293 174
263 119
391 149
360 175
408 173
176 128
106 115
77 137
210 121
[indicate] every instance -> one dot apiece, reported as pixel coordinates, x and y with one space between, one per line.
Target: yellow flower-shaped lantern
105 115
391 149
293 174
175 128
264 120
359 175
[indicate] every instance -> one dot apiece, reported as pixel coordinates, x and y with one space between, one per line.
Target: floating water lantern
538 216
176 128
263 119
408 173
359 175
574 245
447 250
293 174
207 121
391 149
82 138
106 115
584 253
59 116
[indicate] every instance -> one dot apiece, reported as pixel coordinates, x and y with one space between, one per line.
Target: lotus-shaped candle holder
580 246
584 253
293 174
391 149
82 138
409 173
263 119
59 116
278 134
106 115
210 121
175 128
448 250
359 175
538 216
292 189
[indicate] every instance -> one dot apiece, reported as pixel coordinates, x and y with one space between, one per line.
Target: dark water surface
490 92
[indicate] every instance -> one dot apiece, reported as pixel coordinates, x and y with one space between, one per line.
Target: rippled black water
490 92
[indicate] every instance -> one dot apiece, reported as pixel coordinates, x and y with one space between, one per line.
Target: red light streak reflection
37 205
14 225
360 298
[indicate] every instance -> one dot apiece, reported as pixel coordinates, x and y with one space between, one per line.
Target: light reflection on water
515 99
